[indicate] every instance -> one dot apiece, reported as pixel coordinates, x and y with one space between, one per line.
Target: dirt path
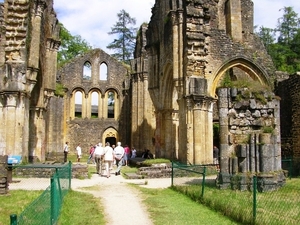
122 203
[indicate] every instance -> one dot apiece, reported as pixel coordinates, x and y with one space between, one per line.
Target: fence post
13 219
70 174
52 201
203 182
254 198
172 174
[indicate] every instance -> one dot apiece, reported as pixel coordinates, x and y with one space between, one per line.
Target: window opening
87 71
95 104
111 104
78 104
103 71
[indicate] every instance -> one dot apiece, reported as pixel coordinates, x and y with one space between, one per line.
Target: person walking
118 155
126 155
79 152
108 158
66 150
98 154
133 153
91 156
216 157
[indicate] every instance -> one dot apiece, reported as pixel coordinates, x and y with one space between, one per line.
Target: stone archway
253 71
110 135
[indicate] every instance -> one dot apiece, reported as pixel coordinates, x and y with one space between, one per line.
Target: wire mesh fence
46 208
280 206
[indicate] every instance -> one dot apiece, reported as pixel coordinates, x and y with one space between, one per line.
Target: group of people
105 156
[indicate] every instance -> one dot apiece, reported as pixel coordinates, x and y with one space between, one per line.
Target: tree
125 43
267 36
71 46
285 53
288 25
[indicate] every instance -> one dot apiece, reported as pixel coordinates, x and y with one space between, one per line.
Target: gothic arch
110 133
254 71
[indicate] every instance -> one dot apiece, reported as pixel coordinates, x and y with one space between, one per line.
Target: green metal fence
276 207
46 208
188 175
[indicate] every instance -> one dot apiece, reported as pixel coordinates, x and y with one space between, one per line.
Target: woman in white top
108 158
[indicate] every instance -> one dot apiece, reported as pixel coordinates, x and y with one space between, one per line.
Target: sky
93 19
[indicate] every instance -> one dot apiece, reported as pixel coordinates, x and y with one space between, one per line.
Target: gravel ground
122 203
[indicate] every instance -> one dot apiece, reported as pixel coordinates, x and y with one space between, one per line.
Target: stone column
10 123
190 132
223 120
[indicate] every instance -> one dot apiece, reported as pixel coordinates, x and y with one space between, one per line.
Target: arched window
103 71
110 104
78 104
87 71
95 104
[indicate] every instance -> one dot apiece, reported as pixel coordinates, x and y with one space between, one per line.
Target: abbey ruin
172 99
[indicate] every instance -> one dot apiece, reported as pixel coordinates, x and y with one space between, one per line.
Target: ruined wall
191 46
249 138
87 129
288 90
28 47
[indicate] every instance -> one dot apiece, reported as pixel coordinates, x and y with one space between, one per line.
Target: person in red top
127 154
91 157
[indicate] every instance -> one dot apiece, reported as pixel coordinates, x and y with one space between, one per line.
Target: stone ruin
249 140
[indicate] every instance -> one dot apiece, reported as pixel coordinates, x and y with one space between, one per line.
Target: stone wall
288 90
249 138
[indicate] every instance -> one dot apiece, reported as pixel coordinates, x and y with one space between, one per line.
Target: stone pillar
190 132
224 132
234 19
10 124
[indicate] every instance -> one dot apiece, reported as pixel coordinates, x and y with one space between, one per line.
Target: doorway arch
110 135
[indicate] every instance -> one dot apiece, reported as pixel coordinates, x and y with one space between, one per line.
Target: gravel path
120 201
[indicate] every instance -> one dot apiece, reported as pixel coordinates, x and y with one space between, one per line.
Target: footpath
122 203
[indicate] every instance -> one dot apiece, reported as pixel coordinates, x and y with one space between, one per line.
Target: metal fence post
254 198
13 219
52 201
203 182
70 174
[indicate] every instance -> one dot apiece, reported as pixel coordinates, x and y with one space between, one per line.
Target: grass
179 206
81 208
15 202
274 207
167 206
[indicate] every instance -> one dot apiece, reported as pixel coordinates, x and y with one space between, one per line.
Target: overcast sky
93 19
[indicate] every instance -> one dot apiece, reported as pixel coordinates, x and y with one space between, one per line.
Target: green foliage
285 53
260 97
59 90
149 162
124 44
226 82
71 46
268 129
